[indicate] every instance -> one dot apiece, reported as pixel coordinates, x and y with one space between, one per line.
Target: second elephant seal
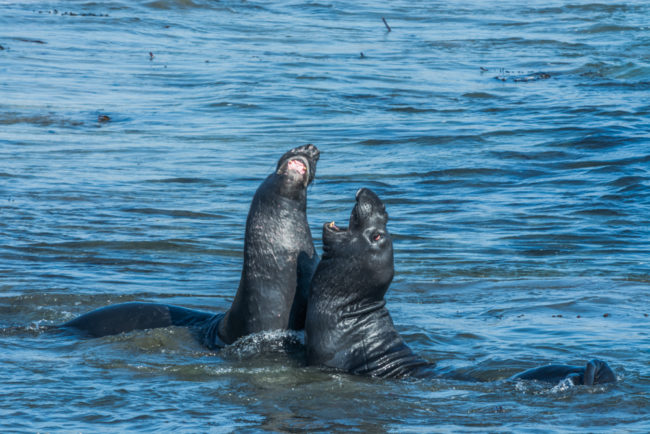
348 327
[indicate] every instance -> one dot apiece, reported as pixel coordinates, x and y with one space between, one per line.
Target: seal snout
310 150
367 195
369 209
299 169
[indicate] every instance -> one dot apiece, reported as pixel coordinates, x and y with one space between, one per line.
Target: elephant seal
279 253
348 327
279 261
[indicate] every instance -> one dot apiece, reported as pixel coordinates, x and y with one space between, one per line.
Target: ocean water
510 142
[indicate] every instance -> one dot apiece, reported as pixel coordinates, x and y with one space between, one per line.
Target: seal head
365 245
296 169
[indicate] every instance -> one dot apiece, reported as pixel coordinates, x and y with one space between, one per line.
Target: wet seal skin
279 261
348 327
279 254
596 372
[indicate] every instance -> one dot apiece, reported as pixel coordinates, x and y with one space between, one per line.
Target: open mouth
297 166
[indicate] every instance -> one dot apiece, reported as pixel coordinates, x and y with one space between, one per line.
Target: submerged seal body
348 327
279 260
595 372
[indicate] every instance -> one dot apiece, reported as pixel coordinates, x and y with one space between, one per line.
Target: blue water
510 142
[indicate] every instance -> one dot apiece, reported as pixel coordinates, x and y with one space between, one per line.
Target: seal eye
376 236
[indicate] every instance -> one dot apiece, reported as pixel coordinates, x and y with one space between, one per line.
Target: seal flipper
552 374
